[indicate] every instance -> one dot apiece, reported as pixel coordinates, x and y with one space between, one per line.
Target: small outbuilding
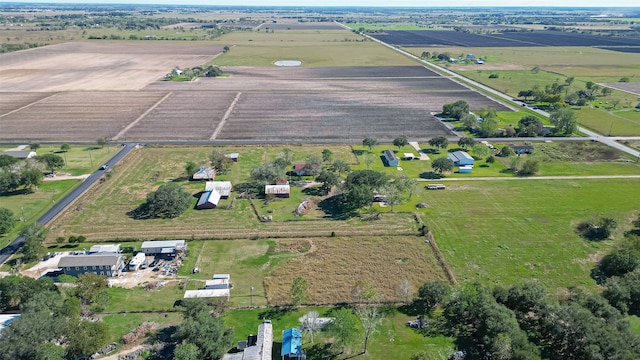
390 156
521 149
282 191
204 173
206 293
303 170
233 156
163 247
105 249
208 200
291 344
460 158
409 156
222 187
465 169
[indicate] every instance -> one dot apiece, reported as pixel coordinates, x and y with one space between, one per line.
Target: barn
163 247
460 158
204 173
392 159
222 187
282 191
208 200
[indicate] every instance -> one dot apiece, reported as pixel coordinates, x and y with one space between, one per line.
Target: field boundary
144 114
232 106
440 256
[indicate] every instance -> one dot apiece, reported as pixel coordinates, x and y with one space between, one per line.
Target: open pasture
333 267
300 26
420 38
77 116
507 232
98 66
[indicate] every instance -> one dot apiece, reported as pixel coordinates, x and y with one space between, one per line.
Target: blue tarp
291 342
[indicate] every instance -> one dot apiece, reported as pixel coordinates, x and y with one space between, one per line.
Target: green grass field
507 232
313 48
30 206
614 123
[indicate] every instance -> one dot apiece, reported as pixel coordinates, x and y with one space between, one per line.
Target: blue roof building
460 158
391 157
291 344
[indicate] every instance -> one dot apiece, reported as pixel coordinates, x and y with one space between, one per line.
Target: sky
375 3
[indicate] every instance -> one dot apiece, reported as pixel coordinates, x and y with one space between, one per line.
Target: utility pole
251 296
90 158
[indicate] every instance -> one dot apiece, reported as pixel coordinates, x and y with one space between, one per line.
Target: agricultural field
424 38
98 66
255 103
311 47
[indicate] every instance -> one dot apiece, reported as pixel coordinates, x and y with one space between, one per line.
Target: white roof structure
105 249
164 244
20 154
206 293
277 189
409 155
221 276
205 173
208 200
264 344
137 260
223 187
216 284
6 319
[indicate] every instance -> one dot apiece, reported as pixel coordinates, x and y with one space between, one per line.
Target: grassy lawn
313 48
614 123
393 341
506 232
122 324
635 323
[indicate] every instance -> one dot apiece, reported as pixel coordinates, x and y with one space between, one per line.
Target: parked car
104 167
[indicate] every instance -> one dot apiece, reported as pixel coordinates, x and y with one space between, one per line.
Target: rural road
466 82
59 207
567 177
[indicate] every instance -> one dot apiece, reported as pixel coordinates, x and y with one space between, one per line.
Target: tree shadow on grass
430 151
322 352
16 192
335 208
275 313
431 175
313 191
140 213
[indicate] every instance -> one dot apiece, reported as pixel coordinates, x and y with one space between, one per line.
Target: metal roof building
207 293
263 348
107 265
460 158
105 249
391 157
277 190
291 344
208 200
163 246
204 173
222 187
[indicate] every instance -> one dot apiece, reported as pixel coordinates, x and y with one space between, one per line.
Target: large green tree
328 180
456 110
299 291
439 142
6 161
431 294
400 141
6 220
343 328
51 161
564 120
442 165
34 235
219 161
31 178
370 143
169 201
212 338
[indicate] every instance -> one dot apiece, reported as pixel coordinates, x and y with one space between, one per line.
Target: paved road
466 82
61 205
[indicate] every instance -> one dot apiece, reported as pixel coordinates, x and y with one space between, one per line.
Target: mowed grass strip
333 266
614 123
312 47
506 232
